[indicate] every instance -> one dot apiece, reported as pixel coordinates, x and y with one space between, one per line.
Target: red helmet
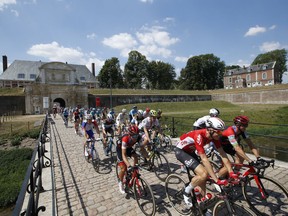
242 120
133 129
147 109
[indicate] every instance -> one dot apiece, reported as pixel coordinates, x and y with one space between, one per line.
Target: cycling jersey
89 128
148 123
121 119
230 136
201 122
195 140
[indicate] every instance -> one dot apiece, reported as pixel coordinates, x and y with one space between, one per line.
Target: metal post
110 89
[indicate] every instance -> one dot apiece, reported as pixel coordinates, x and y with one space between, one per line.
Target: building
252 76
47 83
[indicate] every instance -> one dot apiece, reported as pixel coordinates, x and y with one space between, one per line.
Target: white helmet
214 112
89 116
109 117
215 123
124 110
140 113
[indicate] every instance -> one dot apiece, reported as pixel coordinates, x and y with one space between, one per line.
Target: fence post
173 127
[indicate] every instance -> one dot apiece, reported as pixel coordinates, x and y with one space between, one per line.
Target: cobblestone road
82 191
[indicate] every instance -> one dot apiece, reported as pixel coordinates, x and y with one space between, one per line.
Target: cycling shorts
229 149
129 151
189 160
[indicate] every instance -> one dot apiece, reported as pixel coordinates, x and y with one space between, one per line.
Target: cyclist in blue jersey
88 126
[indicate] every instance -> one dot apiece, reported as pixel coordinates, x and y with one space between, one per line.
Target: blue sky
86 31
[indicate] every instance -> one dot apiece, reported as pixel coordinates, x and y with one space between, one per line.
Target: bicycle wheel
276 201
174 187
95 159
161 166
112 152
167 143
221 208
144 196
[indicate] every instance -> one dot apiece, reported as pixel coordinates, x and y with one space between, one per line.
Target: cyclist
54 110
76 115
107 127
200 122
88 126
146 113
125 150
140 116
146 125
185 153
121 120
65 116
231 137
159 114
132 112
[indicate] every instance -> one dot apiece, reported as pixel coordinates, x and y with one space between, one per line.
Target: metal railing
32 183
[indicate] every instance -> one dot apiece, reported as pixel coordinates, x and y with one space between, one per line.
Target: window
264 67
82 78
248 77
21 76
264 75
32 76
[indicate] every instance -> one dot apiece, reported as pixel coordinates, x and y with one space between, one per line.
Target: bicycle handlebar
261 164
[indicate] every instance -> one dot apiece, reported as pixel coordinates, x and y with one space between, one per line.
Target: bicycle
175 186
156 161
141 189
111 148
90 152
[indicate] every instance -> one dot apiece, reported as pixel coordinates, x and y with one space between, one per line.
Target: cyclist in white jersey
200 123
121 119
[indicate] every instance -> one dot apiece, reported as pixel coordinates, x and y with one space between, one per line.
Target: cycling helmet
140 113
89 117
147 109
124 110
214 112
133 129
215 123
242 120
109 117
153 113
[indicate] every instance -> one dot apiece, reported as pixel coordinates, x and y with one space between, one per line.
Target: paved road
79 190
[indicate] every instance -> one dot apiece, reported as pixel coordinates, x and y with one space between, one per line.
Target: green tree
202 72
111 69
280 56
160 75
135 71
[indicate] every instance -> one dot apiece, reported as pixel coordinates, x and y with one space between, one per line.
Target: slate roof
32 67
251 68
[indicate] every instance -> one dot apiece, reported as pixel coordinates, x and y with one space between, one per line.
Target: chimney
4 62
93 69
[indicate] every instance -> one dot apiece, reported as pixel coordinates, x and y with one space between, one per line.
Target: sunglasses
218 132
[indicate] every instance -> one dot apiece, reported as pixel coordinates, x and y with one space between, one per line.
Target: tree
111 69
280 56
135 70
202 72
160 75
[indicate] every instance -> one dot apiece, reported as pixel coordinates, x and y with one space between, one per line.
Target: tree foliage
135 70
160 75
111 74
202 72
280 56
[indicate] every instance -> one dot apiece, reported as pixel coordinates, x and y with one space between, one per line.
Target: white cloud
15 13
169 19
55 52
91 36
120 41
147 1
272 27
181 59
255 30
5 3
269 46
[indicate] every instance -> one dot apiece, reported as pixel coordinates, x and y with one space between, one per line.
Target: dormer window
21 76
33 76
82 78
264 67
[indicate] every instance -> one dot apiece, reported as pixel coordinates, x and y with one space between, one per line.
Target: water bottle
197 194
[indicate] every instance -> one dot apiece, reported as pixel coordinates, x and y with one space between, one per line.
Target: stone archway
60 102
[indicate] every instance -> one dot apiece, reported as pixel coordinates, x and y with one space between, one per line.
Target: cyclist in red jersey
231 136
125 150
185 153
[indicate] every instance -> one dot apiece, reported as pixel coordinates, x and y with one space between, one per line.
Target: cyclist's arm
225 159
237 148
124 156
208 166
146 133
252 147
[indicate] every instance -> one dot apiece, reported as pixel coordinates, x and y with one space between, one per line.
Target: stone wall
133 99
257 97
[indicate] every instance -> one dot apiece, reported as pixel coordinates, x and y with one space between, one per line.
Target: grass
11 91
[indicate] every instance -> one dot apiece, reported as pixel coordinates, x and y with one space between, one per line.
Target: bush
16 141
13 168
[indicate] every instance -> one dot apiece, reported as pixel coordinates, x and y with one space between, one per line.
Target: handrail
32 183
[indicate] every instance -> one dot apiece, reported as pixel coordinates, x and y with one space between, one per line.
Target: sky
172 31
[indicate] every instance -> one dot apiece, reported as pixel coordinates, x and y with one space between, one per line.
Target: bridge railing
32 184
